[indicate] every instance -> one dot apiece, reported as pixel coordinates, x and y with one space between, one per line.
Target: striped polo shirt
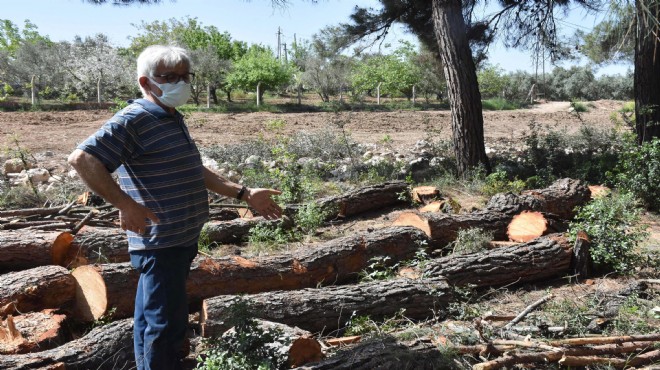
158 166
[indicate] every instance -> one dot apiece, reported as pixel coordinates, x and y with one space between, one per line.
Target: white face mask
173 95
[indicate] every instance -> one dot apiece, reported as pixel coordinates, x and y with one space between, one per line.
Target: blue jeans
161 306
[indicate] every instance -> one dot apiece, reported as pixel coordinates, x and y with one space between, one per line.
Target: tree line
92 69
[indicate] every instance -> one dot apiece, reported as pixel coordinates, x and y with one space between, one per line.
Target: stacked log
23 249
558 201
110 286
369 198
107 347
96 245
535 260
329 308
32 332
36 289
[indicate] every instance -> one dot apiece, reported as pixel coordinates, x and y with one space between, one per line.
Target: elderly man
162 198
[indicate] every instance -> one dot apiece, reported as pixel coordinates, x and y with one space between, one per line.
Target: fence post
32 90
259 94
208 95
98 91
413 97
378 93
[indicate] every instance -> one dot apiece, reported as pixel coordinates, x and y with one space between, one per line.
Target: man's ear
144 82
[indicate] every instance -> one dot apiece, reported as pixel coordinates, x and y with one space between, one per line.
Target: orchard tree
632 33
492 81
322 66
212 51
97 70
259 68
394 73
432 79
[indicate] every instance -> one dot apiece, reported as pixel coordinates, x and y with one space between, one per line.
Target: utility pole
279 45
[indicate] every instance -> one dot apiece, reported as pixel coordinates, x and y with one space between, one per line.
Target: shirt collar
154 108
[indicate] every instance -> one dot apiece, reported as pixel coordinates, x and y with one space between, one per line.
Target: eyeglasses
175 78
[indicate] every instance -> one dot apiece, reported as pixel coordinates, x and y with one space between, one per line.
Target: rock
38 175
14 165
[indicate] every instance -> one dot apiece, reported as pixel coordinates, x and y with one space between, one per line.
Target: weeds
471 240
613 226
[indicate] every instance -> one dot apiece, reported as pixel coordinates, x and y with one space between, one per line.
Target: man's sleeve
113 144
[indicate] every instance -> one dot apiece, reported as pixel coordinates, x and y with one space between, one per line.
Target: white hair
156 55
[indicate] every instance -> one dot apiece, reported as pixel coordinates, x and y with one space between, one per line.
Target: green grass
499 104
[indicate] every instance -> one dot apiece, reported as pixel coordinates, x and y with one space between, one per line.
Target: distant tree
432 79
492 81
632 33
94 64
12 37
259 67
322 66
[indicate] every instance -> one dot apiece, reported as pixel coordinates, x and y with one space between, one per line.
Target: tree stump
108 347
36 289
329 308
541 258
424 194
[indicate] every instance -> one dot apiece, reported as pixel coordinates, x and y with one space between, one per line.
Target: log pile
305 292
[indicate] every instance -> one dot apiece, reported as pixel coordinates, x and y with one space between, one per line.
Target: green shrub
379 268
246 347
471 240
498 182
638 172
499 104
613 226
579 106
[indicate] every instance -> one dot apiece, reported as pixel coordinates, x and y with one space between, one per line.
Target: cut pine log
106 290
23 249
37 331
435 206
529 225
329 308
542 258
387 353
560 198
424 194
108 347
369 198
337 261
96 245
443 228
233 231
36 289
299 345
599 191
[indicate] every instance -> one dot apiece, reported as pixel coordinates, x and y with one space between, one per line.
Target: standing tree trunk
462 87
647 71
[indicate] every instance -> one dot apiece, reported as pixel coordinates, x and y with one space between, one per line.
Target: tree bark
38 331
108 347
369 198
36 289
300 347
443 229
330 308
333 262
462 86
560 198
102 287
386 353
24 249
647 71
541 258
233 231
97 245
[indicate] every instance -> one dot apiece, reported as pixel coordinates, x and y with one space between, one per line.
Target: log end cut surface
91 298
415 220
527 226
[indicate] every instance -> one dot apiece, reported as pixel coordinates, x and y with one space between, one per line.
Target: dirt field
50 136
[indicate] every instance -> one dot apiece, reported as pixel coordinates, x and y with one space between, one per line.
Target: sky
255 21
